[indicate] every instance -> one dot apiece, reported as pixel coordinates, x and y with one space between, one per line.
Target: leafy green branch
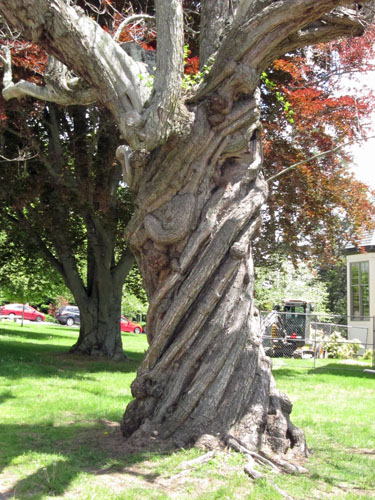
192 80
271 85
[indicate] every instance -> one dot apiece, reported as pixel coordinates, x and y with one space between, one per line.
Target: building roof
367 242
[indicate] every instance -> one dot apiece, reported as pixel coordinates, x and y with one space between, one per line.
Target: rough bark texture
196 173
205 371
100 313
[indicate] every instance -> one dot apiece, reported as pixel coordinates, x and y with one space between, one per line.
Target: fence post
314 343
373 342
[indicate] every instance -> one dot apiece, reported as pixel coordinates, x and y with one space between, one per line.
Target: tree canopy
310 213
62 200
309 108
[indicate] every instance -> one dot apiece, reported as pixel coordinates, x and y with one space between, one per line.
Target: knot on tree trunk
144 386
281 435
280 400
172 221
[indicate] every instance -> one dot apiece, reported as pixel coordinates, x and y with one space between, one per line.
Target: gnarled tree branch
61 87
264 30
68 34
129 20
169 70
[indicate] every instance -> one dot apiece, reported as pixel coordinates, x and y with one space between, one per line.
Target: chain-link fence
312 340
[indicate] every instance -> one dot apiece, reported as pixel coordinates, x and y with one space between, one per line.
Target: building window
359 290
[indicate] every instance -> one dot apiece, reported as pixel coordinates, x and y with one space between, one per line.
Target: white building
361 290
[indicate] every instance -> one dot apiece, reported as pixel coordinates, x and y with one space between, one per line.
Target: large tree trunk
100 333
99 299
205 371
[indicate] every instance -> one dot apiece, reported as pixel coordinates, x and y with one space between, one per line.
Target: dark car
28 312
68 315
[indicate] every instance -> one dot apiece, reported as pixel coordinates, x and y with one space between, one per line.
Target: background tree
192 157
334 278
62 199
308 108
273 284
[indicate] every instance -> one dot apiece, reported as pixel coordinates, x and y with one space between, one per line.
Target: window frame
363 298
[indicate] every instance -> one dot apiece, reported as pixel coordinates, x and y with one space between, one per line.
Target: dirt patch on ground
370 453
127 469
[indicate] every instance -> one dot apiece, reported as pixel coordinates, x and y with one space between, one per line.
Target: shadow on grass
337 369
73 450
343 370
20 360
25 333
5 395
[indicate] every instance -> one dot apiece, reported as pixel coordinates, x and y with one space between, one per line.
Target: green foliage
133 285
27 278
338 347
285 104
273 284
148 80
132 306
192 80
134 300
50 319
334 278
368 354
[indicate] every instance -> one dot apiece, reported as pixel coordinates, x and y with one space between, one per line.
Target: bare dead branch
130 20
314 157
22 156
59 89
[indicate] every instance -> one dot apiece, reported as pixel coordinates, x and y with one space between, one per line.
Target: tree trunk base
93 352
264 427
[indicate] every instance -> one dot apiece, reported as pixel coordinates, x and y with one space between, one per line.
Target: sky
364 161
364 153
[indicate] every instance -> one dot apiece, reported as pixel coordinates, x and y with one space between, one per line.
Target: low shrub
51 319
338 347
368 354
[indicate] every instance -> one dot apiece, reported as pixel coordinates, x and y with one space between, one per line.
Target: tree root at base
276 464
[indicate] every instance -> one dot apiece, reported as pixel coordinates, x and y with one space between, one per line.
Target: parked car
29 313
130 326
68 315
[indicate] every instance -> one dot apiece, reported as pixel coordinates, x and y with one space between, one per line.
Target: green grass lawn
60 437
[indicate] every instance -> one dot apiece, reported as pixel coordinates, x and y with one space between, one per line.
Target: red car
29 312
129 326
